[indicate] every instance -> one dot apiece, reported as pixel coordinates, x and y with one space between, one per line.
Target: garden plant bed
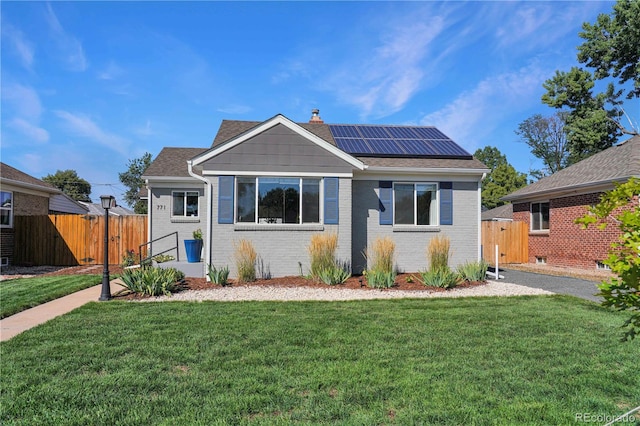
352 283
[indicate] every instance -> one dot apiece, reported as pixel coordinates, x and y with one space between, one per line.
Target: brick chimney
315 116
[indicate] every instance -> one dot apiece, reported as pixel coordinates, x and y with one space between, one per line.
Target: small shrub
442 277
161 258
381 255
218 276
335 274
322 250
197 234
473 271
380 279
438 253
246 257
151 281
129 258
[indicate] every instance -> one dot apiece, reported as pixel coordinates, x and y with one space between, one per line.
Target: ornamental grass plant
381 257
438 253
245 256
322 251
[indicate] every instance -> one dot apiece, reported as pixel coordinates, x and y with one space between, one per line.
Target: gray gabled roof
504 212
172 162
615 164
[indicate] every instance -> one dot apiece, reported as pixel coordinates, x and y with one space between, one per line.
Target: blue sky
90 85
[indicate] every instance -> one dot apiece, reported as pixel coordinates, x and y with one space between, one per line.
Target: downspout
484 175
207 247
149 219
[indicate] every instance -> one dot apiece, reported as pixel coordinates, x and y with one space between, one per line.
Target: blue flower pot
193 249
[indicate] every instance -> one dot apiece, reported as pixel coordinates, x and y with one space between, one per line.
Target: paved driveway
560 285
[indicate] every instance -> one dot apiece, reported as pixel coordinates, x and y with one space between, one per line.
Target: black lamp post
107 201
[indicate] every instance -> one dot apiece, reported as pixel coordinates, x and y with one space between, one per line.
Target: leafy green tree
132 179
610 49
547 138
71 184
502 180
623 291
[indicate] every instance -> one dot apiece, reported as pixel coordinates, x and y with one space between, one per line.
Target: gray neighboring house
550 206
97 210
277 182
500 213
24 195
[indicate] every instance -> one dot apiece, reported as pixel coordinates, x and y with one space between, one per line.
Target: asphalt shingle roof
172 162
501 212
11 173
614 164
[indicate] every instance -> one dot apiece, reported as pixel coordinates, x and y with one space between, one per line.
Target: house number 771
161 207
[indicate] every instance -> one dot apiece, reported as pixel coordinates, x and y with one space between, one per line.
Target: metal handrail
162 252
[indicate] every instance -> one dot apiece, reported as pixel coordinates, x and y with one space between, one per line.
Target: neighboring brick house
278 182
551 205
24 195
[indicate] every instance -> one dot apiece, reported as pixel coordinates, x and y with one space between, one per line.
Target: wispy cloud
467 119
145 130
30 130
381 81
21 46
24 100
110 72
25 109
83 126
67 45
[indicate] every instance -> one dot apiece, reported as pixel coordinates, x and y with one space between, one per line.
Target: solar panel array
395 141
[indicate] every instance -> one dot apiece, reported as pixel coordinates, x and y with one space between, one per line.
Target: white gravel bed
243 293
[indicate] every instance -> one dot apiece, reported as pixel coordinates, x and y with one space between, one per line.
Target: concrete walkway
16 324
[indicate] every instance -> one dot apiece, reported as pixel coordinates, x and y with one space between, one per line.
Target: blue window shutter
446 203
331 190
225 199
386 202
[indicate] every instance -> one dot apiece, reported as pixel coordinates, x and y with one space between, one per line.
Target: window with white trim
277 200
415 204
185 203
6 209
539 216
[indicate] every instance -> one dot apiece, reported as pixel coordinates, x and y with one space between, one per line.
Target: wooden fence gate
512 239
70 240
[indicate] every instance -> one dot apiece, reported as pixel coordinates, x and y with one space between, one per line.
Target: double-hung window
6 209
539 216
415 204
185 203
277 200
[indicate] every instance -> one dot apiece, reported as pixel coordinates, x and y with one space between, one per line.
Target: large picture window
6 209
415 204
185 203
539 216
277 200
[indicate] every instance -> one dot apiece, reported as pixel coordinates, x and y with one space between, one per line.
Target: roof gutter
448 170
207 245
563 191
30 186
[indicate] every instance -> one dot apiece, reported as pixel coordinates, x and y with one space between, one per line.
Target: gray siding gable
278 149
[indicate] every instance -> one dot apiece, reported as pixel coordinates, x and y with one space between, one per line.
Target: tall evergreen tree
502 180
132 179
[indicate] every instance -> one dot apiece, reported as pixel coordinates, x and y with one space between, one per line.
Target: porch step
191 270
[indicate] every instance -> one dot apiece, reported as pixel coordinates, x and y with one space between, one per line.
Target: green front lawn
24 293
523 360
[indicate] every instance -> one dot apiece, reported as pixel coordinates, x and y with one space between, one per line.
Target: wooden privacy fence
69 240
512 239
